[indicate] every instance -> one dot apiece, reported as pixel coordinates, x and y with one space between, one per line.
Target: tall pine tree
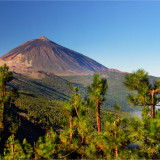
97 90
145 92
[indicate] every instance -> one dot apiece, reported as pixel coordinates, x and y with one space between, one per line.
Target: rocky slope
44 55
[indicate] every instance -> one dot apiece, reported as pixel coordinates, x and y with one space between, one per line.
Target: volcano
44 55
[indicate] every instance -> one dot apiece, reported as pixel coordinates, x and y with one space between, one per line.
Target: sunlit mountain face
44 55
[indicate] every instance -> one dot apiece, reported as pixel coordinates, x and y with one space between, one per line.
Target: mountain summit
44 38
44 55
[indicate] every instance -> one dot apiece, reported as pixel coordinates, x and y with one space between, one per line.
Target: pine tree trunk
116 151
82 156
152 112
71 123
35 155
116 148
98 117
3 117
152 105
3 91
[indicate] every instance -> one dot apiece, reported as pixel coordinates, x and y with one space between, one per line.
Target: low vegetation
79 128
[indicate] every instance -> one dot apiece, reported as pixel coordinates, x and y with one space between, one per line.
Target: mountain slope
116 92
54 87
50 86
44 55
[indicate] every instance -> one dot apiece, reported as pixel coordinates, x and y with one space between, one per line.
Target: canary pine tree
5 76
47 147
14 149
69 108
145 92
97 90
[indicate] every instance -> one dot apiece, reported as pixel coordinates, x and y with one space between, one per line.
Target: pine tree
28 150
13 149
145 92
117 136
80 129
70 110
97 91
13 95
46 147
5 76
150 138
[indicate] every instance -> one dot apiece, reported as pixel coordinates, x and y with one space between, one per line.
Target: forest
32 127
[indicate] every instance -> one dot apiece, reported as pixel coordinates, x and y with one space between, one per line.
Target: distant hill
116 92
44 55
50 86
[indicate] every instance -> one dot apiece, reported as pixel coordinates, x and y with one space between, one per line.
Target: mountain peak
44 55
43 37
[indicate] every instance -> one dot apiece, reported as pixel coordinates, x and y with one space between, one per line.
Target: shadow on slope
51 86
26 129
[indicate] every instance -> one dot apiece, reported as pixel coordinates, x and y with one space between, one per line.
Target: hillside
54 87
116 92
50 86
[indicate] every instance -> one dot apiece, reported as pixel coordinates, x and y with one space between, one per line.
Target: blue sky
123 35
